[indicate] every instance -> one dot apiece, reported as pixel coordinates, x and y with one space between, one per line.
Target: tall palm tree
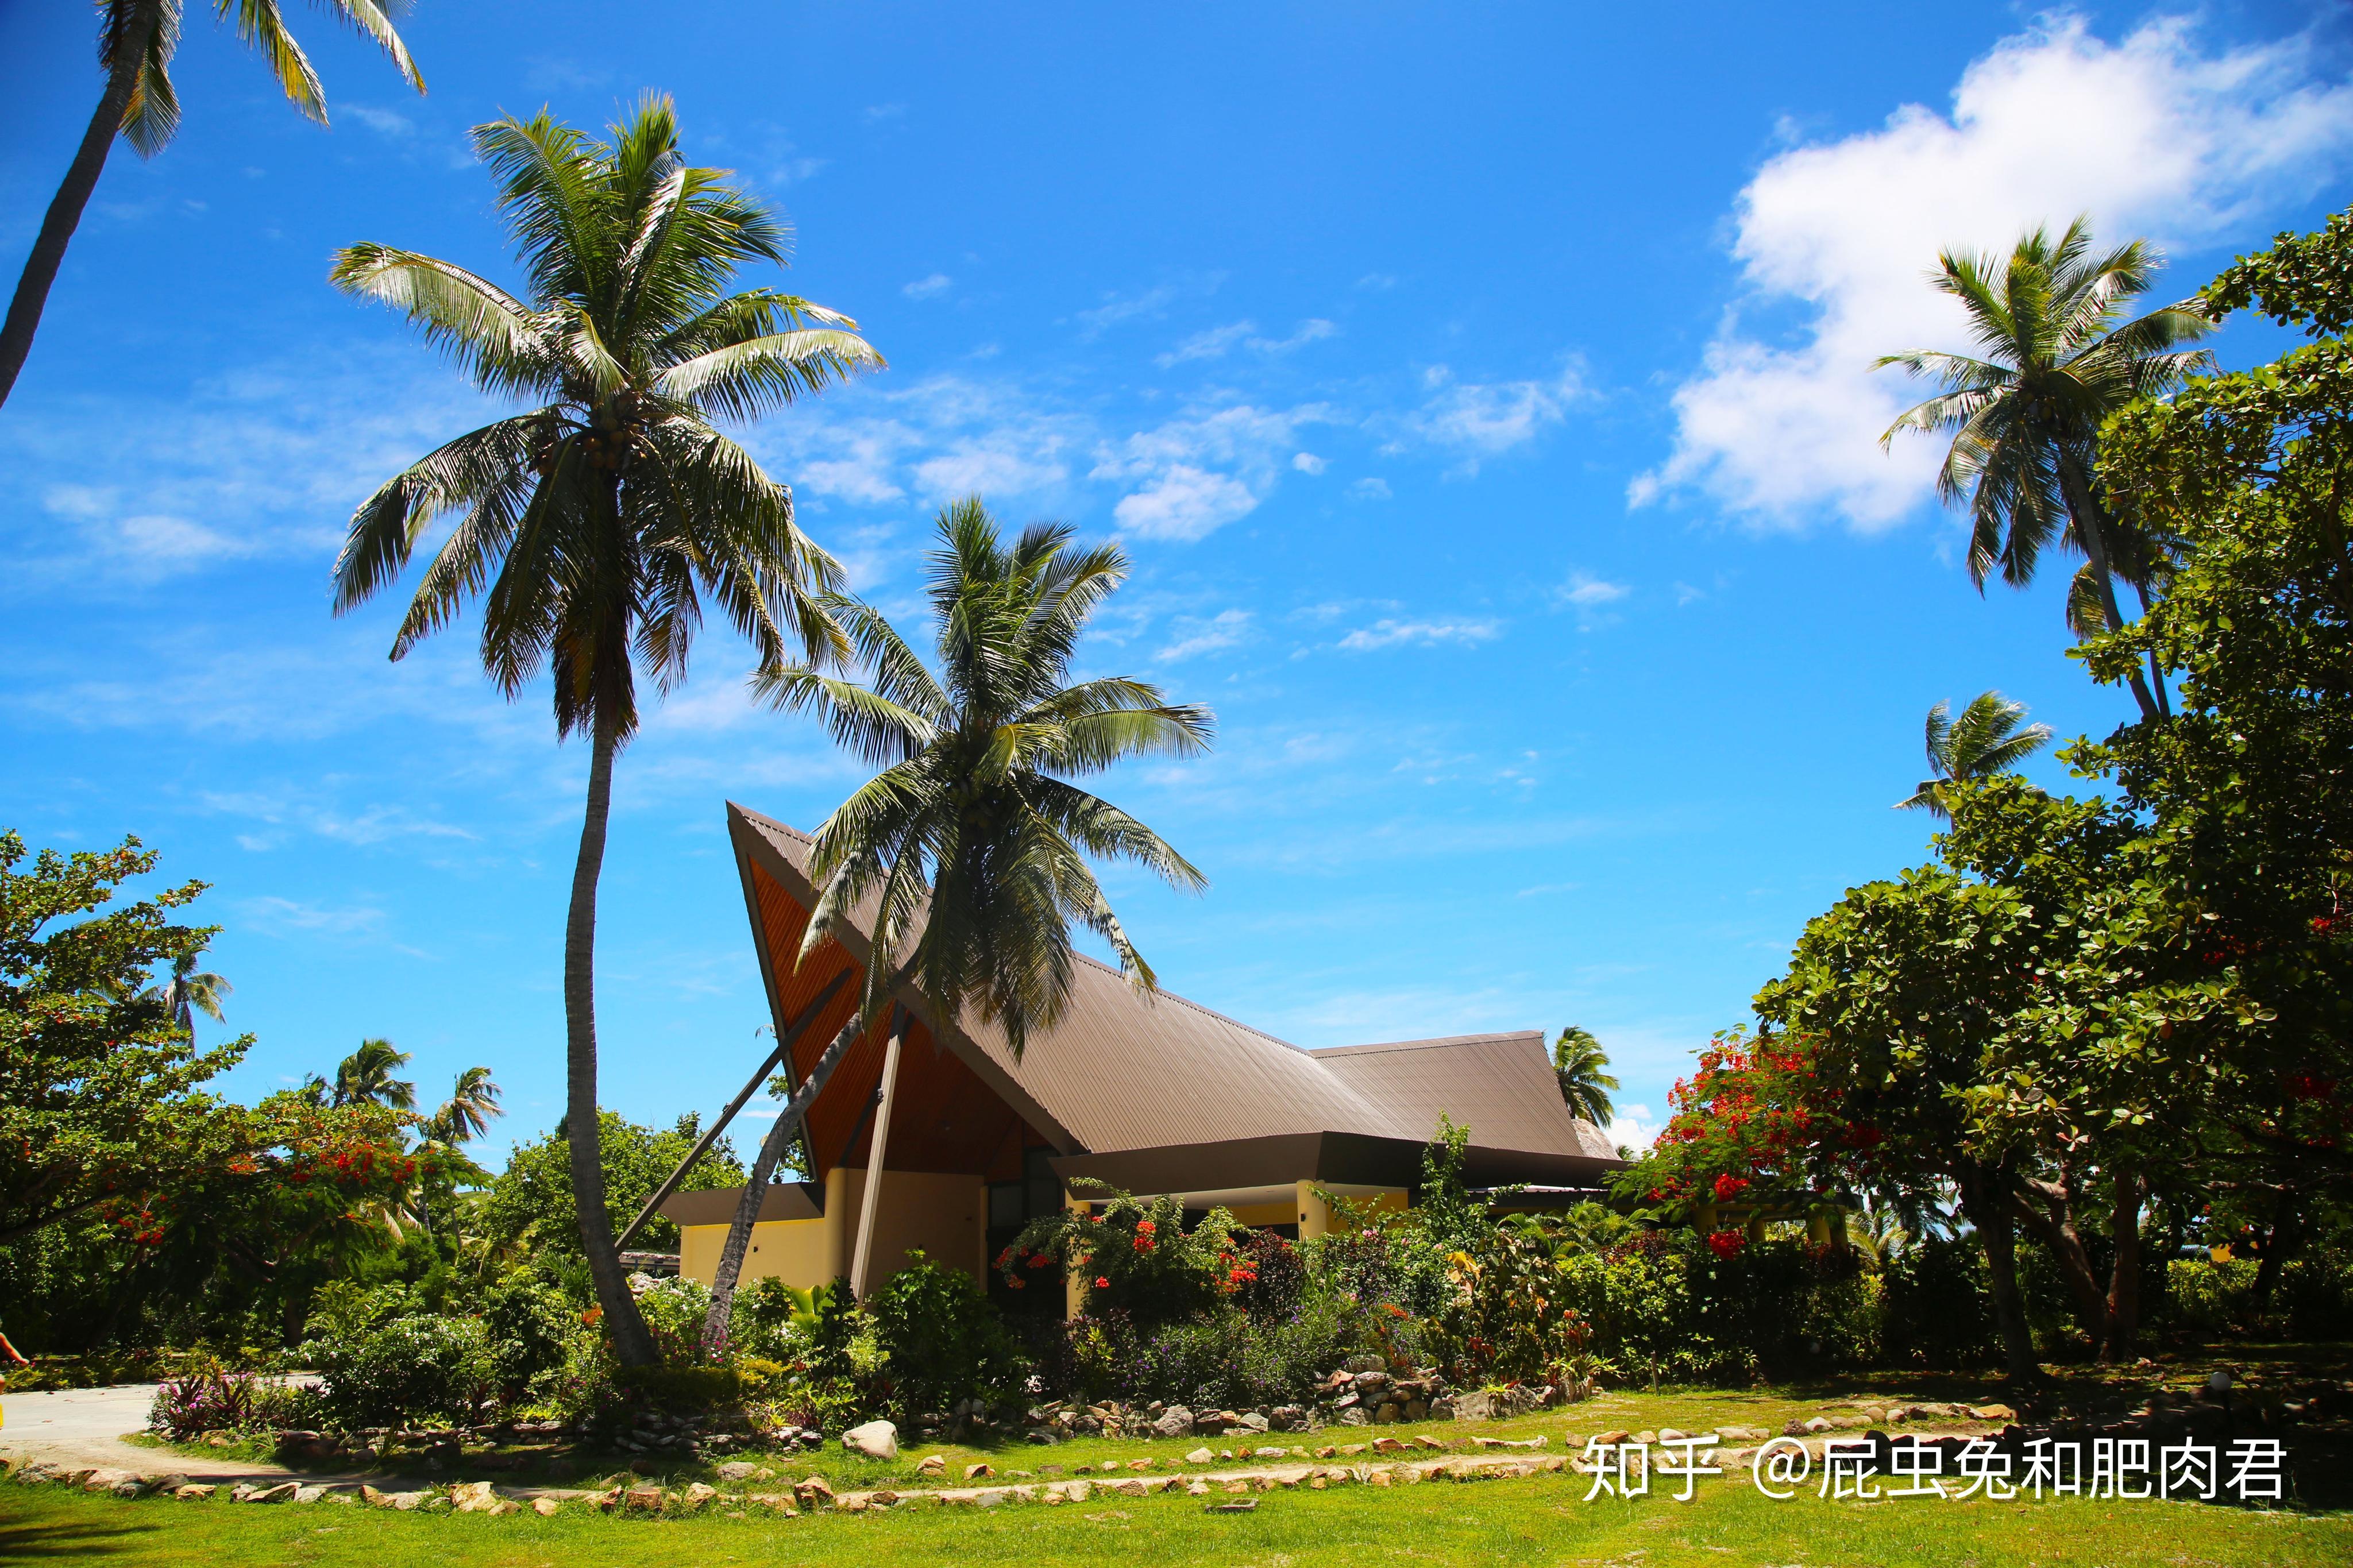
136 41
972 830
595 521
366 1075
190 990
2058 359
1582 1068
1986 740
467 1114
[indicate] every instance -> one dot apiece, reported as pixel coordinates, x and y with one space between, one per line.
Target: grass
1537 1521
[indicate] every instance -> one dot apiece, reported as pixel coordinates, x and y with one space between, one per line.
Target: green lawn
1535 1521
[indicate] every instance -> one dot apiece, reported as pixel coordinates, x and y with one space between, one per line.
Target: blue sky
1479 393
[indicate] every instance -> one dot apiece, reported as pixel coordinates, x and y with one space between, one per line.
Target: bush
940 1341
676 1313
395 1371
530 1329
2316 1293
2211 1296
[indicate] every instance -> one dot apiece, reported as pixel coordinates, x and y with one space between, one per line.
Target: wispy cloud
1585 591
1479 420
1391 632
926 288
1196 636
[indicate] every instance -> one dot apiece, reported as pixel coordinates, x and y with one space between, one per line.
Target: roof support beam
875 1160
791 1033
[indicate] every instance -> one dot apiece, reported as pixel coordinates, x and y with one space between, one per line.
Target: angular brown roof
1126 1071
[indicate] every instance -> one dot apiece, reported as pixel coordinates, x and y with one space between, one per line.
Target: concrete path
78 1426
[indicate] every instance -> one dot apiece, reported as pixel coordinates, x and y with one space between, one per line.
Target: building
1151 1094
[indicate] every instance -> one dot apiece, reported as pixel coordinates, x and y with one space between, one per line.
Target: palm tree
1583 1068
136 41
2026 417
366 1075
1984 740
190 990
971 842
595 521
467 1114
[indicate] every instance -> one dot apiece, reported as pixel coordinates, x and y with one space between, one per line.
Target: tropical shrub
1509 1317
531 1328
940 1341
217 1400
397 1371
2210 1295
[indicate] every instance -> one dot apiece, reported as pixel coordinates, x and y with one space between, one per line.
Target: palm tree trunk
772 1147
630 1341
2083 509
2155 676
57 225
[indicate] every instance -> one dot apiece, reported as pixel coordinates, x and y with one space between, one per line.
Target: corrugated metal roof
1128 1070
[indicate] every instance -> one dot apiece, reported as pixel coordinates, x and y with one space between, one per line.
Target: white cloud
1390 633
1373 488
1485 419
924 288
1308 463
1214 343
1181 495
1633 1127
1586 591
1315 330
1196 635
1184 502
1116 308
2150 136
382 121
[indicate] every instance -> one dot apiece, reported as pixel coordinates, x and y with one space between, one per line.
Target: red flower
1725 1243
1728 1187
1102 1283
1038 1261
1145 1227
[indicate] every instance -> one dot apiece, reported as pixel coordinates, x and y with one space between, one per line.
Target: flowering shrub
1138 1257
1509 1317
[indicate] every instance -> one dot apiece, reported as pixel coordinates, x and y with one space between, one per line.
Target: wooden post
874 1158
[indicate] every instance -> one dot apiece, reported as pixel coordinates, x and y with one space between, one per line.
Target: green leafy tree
529 1207
1990 737
972 841
136 41
594 522
1582 1069
2057 358
2251 470
98 1098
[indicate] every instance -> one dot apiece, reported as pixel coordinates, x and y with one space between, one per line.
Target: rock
1609 1440
472 1496
814 1491
107 1481
1815 1424
1536 1442
1366 1364
1197 1488
1427 1441
876 1440
1271 1453
1743 1434
544 1506
282 1492
698 1494
312 1494
1478 1404
1177 1421
195 1492
1385 1445
1992 1412
1443 1410
1353 1416
974 1472
737 1470
1200 1456
933 1465
1388 1414
409 1502
647 1499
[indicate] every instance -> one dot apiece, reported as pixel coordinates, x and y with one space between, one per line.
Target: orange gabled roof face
1124 1070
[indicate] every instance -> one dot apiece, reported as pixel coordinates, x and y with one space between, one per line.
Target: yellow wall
1313 1216
792 1249
945 1215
